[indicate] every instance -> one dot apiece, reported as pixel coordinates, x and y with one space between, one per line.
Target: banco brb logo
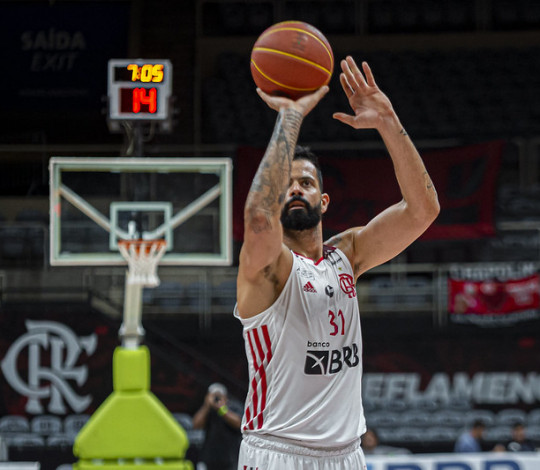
64 348
328 362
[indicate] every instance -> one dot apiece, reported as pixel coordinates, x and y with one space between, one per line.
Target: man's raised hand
369 104
303 105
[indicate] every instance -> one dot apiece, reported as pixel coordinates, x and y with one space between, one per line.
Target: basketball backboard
94 202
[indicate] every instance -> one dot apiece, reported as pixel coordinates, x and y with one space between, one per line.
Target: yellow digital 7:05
139 89
145 73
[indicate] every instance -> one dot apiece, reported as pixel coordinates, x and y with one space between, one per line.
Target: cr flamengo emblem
64 348
346 283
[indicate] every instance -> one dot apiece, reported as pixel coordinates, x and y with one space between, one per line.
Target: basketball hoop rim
139 243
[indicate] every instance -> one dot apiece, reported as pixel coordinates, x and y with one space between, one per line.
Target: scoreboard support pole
132 429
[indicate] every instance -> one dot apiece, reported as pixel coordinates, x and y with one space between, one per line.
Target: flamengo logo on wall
64 348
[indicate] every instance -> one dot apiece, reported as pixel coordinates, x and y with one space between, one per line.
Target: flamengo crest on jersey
304 357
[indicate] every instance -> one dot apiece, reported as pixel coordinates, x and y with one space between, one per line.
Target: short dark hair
305 153
478 423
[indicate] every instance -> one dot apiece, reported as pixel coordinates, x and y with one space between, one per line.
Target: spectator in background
221 419
371 446
519 442
471 440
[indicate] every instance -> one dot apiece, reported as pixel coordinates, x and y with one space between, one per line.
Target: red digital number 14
141 97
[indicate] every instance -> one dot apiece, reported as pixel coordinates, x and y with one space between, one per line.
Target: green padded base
131 423
169 465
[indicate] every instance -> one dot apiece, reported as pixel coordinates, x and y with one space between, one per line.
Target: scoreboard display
139 89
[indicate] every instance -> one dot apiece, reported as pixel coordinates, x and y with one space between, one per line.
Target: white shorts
257 453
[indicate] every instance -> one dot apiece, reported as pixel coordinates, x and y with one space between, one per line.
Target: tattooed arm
267 192
394 229
265 262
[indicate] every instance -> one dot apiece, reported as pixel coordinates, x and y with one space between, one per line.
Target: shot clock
139 89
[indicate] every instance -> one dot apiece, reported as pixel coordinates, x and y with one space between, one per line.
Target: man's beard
300 219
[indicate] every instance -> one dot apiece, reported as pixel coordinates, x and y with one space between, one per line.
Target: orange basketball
292 59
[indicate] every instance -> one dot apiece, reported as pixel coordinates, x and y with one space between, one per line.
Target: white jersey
305 357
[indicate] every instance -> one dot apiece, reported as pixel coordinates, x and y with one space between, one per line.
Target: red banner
360 188
493 301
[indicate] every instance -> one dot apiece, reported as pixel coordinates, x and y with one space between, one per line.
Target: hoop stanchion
143 257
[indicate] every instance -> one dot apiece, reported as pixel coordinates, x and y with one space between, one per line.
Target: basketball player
296 296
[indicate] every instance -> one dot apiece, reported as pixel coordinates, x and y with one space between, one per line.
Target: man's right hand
215 400
303 105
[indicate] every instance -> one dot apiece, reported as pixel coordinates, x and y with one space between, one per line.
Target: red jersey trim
261 354
327 249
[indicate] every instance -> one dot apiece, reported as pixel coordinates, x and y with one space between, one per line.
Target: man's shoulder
328 250
257 290
465 437
466 442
